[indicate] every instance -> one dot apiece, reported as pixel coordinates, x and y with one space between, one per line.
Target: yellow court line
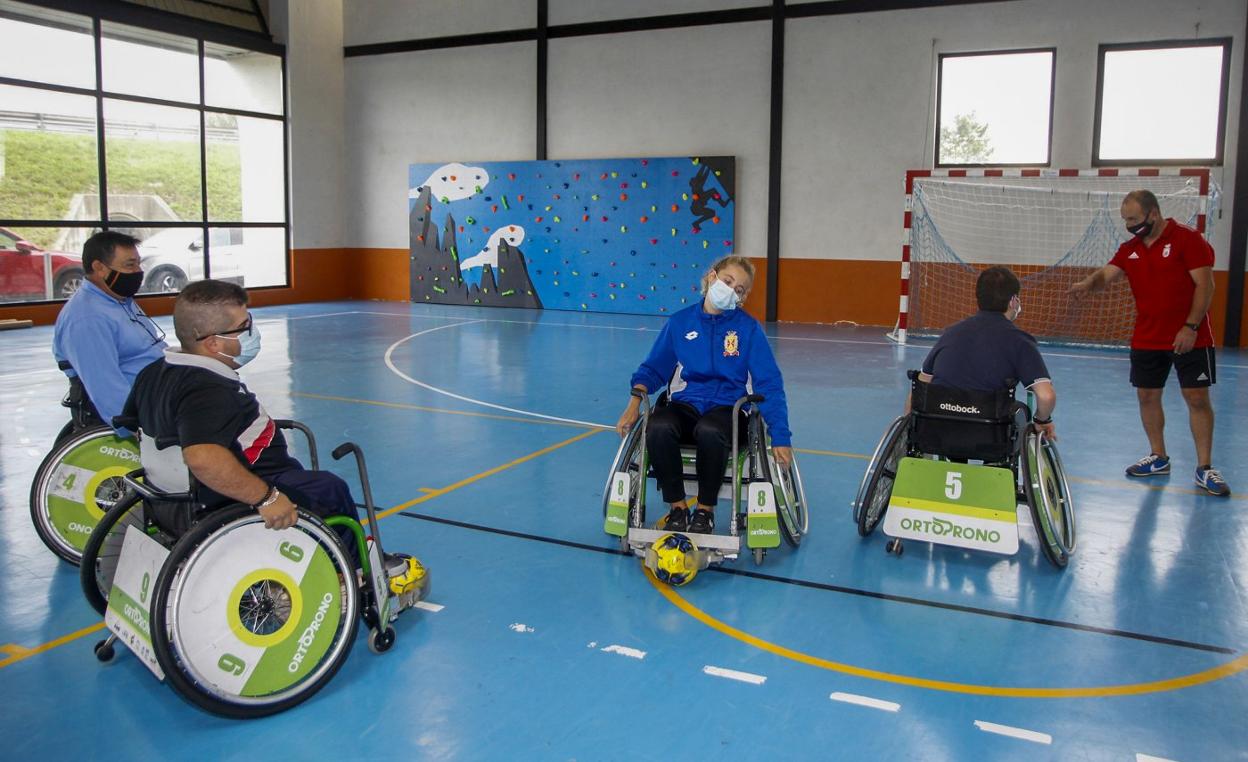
1095 691
423 408
26 653
833 453
20 653
464 482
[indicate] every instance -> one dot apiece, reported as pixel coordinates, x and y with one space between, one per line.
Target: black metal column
776 141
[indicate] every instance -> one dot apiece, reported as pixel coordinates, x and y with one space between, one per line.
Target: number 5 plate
968 506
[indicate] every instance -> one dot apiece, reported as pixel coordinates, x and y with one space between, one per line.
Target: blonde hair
733 259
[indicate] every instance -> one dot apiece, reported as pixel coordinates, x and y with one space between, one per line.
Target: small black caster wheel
380 641
104 651
759 555
625 548
894 546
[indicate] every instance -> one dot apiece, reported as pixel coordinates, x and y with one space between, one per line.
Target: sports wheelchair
953 471
80 478
768 502
244 621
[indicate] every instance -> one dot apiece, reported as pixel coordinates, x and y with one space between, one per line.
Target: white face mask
1018 305
722 296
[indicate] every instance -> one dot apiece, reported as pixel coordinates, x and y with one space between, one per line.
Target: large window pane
153 161
49 169
249 256
242 79
246 174
171 258
46 46
995 108
34 264
143 62
1189 130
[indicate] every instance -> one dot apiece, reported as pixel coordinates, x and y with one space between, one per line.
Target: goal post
1053 227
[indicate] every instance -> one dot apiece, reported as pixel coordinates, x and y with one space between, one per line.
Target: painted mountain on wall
604 235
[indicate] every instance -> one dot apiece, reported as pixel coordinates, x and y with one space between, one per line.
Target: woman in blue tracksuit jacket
705 355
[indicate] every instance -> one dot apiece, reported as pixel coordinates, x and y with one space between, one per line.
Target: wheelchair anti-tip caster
894 546
104 650
380 641
759 554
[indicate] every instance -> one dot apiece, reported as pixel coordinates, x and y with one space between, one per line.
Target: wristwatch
1043 421
1194 326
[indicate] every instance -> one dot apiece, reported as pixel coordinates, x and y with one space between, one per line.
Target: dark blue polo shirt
982 352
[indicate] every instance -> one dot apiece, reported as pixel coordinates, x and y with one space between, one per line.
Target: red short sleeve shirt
1161 281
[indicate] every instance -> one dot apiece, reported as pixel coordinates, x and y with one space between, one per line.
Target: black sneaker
677 520
703 522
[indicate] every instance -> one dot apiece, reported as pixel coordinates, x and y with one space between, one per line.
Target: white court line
1013 732
29 373
874 703
732 674
423 385
427 606
643 329
632 653
1149 758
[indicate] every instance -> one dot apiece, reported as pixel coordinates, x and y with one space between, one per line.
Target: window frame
940 81
1219 146
200 35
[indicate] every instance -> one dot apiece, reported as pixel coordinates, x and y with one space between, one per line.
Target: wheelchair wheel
877 482
1048 496
103 549
76 484
790 498
628 458
247 621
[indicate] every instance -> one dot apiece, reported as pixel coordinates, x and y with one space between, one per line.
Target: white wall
312 32
369 21
462 104
858 101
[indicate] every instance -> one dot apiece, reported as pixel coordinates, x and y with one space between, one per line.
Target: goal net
1051 227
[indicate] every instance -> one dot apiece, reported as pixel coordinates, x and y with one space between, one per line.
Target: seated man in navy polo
192 399
986 351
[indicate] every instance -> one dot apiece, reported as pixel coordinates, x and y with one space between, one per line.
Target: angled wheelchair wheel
1048 497
248 621
877 483
790 498
628 457
102 550
76 484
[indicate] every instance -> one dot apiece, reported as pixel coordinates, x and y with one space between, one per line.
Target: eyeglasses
244 328
148 325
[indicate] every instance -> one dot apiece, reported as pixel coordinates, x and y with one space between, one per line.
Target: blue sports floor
550 645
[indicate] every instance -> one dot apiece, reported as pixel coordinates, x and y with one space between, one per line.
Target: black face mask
124 284
1142 230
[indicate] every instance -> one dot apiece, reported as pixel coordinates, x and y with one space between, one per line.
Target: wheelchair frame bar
286 423
360 542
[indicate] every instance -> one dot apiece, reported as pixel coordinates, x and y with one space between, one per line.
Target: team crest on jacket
730 344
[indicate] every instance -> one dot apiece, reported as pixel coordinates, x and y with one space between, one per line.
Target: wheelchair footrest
409 583
717 547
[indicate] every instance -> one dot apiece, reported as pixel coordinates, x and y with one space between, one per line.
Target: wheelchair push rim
877 482
790 499
1048 496
103 549
75 486
249 622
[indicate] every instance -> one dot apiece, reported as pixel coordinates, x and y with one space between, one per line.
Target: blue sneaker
1150 465
1212 482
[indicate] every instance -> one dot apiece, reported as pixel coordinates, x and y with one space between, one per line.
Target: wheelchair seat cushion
962 424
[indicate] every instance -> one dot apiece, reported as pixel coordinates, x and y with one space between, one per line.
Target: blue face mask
249 343
722 296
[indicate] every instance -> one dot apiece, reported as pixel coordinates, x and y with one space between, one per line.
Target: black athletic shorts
1151 367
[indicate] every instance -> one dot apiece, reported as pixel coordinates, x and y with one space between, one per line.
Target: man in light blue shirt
102 336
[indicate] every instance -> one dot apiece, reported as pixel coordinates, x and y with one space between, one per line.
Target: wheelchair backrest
164 469
963 424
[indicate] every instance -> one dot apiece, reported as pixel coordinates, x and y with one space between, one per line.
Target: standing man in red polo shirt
1170 269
